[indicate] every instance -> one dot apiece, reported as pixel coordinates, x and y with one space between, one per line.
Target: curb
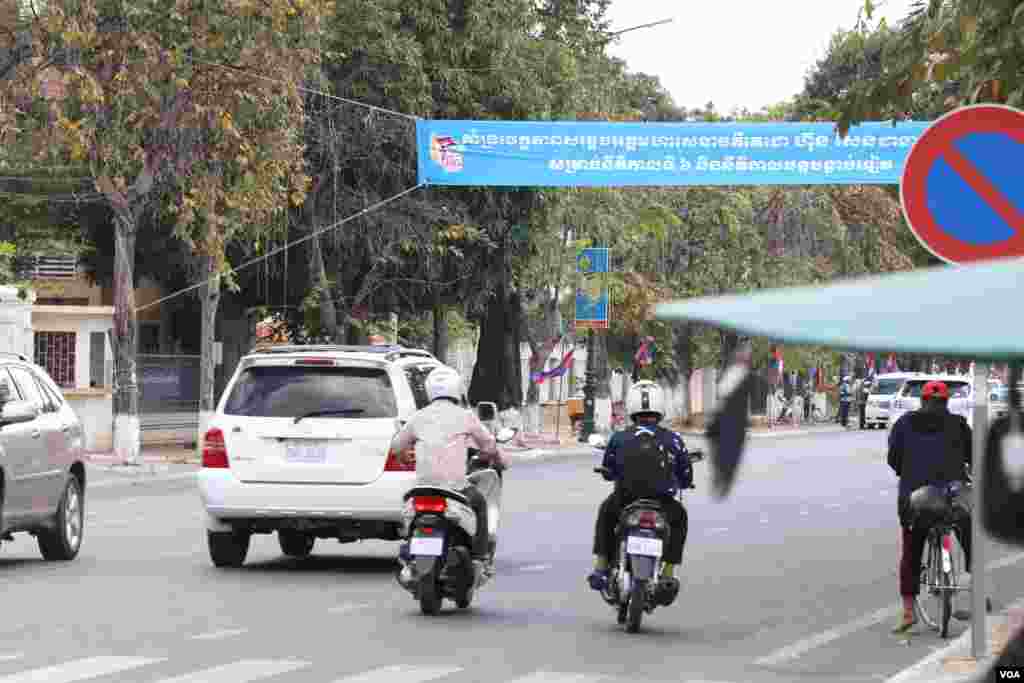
777 434
954 663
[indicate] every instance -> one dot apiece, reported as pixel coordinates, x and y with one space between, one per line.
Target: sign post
962 196
591 313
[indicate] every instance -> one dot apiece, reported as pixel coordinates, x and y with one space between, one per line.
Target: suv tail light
393 464
215 453
315 361
429 504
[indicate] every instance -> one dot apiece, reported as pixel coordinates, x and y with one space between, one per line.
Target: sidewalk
781 430
954 663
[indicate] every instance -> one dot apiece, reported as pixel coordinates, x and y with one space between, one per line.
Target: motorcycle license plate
638 545
431 546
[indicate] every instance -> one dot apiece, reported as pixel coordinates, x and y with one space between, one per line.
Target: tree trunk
328 311
682 349
602 377
440 320
209 296
497 374
127 437
540 351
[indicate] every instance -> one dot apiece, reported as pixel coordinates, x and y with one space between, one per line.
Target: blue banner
592 294
600 154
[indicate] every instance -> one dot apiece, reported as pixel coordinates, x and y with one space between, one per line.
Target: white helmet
645 397
444 382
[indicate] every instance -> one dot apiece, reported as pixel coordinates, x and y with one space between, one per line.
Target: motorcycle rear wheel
635 609
430 594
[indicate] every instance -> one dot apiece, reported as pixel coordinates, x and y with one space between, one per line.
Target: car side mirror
17 412
486 411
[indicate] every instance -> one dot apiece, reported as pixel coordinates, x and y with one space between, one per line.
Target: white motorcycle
439 525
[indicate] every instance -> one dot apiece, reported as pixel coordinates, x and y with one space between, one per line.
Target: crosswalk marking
552 677
405 674
219 635
240 672
79 670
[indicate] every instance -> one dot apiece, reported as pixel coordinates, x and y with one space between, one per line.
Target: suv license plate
309 452
638 545
431 546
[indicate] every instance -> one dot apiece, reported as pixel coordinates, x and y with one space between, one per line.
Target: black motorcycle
436 557
635 575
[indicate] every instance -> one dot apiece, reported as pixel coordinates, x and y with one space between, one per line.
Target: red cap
935 390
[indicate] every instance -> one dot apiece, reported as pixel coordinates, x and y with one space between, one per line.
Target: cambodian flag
563 367
645 354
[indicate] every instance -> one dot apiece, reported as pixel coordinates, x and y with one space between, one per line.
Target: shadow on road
325 564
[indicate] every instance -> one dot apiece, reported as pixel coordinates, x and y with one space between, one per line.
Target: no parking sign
962 188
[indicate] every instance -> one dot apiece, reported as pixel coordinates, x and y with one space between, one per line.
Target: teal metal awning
974 311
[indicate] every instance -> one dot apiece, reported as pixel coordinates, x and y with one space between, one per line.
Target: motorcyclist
644 405
441 433
927 447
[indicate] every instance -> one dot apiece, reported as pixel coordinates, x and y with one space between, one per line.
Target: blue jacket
668 439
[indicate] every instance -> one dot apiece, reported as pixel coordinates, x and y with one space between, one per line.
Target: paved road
791 579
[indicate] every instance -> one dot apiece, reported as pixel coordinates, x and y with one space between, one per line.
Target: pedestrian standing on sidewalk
845 398
862 400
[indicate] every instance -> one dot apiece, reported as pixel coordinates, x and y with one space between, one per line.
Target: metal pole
979 646
589 389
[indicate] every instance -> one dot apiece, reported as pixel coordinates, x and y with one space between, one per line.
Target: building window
55 351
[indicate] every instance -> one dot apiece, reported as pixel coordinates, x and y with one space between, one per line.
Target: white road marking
240 672
550 677
217 635
802 647
405 674
79 670
804 513
764 521
12 657
718 530
535 568
349 607
833 506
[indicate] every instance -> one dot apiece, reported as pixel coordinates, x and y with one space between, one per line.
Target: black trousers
844 412
482 542
610 511
863 407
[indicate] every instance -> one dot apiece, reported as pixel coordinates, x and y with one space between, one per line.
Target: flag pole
558 396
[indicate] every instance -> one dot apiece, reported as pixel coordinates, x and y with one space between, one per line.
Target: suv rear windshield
915 387
292 391
887 387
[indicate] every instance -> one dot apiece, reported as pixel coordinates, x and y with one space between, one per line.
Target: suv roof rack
20 356
390 352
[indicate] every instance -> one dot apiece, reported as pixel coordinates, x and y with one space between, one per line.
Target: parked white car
961 396
299 445
883 392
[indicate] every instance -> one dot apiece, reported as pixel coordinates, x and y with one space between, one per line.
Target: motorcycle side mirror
486 411
696 456
506 435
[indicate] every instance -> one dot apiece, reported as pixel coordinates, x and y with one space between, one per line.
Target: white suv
908 398
299 445
883 392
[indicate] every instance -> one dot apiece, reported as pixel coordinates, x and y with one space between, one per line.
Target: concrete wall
81 320
15 322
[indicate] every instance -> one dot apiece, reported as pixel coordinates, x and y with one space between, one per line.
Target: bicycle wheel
928 589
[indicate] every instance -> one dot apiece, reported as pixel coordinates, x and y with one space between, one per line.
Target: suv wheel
228 548
63 542
295 543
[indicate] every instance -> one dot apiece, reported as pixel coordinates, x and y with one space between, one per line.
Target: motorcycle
435 562
635 574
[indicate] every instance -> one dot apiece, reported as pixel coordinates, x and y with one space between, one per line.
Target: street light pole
979 617
589 391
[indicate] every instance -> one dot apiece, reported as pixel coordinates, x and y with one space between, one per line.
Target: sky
734 53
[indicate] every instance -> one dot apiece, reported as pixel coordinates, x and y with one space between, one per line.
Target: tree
947 53
179 98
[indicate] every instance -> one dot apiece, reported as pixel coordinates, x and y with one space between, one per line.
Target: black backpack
646 465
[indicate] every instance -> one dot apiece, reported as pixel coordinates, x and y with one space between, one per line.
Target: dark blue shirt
668 439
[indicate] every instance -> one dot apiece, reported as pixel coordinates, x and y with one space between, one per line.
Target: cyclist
927 447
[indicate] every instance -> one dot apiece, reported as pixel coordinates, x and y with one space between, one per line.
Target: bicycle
940 571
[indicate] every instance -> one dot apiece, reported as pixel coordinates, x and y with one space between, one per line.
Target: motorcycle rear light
947 543
393 464
427 529
215 453
651 520
429 504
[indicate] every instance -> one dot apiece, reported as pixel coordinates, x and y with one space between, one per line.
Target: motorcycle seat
642 504
435 491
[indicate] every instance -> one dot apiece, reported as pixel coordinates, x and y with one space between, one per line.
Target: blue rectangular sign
592 293
600 154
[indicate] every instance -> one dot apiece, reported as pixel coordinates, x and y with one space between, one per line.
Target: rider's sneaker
598 579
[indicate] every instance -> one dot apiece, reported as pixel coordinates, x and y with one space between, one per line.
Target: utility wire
278 250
